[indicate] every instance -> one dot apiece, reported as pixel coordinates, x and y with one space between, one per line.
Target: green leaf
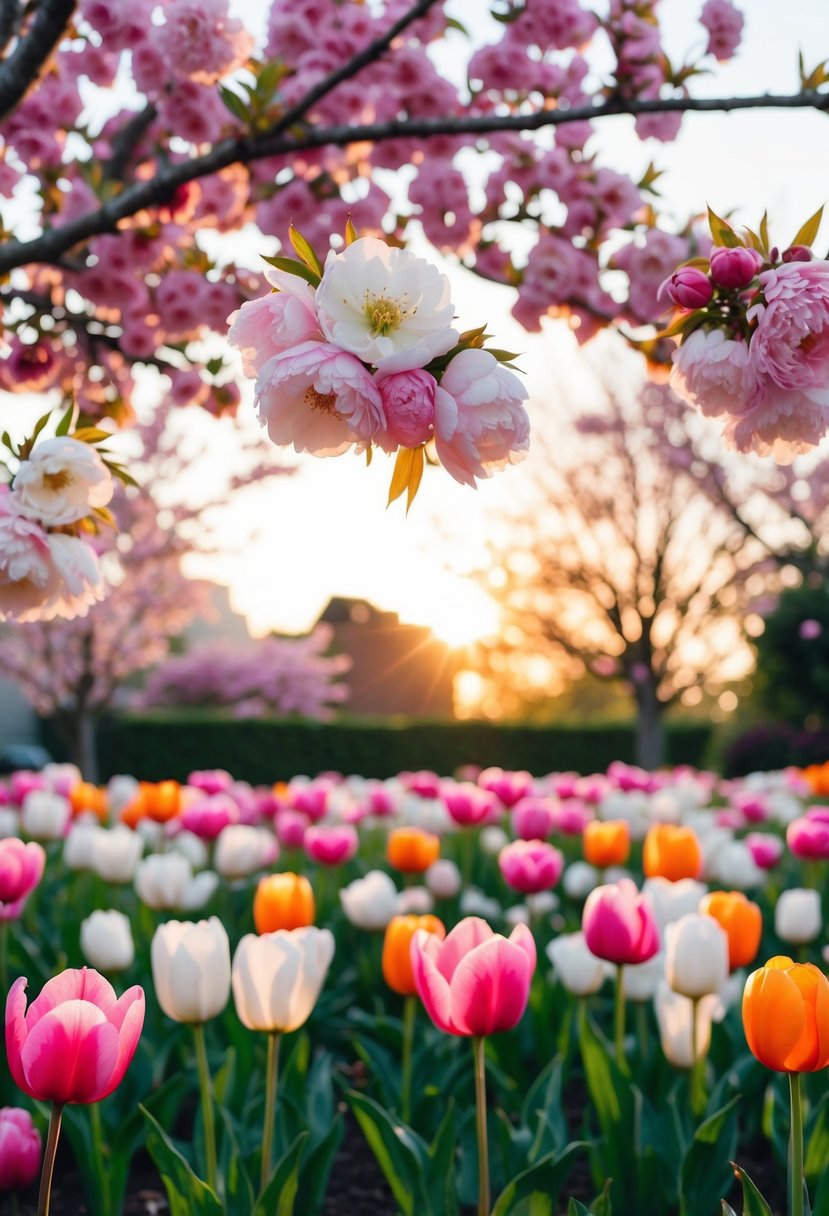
187 1195
817 1141
442 1188
66 421
721 232
764 232
504 356
399 1151
807 232
316 1168
753 1202
235 104
534 1192
706 1166
277 1199
292 266
304 251
574 1208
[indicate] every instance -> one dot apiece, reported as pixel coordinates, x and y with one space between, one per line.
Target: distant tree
792 682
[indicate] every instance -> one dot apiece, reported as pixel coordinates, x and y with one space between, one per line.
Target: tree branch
10 15
23 66
150 193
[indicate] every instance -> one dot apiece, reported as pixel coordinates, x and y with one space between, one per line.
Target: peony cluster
754 327
362 352
46 569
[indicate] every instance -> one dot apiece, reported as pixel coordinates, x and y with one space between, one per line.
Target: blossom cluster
754 327
46 568
362 352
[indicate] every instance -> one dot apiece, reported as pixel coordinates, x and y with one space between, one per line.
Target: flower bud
797 253
734 268
689 287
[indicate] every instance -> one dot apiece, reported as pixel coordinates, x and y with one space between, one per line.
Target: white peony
61 482
386 306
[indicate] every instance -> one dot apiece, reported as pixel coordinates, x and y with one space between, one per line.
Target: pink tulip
534 818
765 849
291 827
21 869
20 1149
476 982
564 784
619 924
311 799
209 815
23 782
508 786
331 846
530 866
819 814
808 838
425 783
466 803
210 781
571 817
76 1040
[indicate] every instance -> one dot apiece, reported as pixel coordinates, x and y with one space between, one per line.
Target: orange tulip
161 802
283 901
87 797
671 852
786 1015
606 842
816 777
397 960
741 919
411 850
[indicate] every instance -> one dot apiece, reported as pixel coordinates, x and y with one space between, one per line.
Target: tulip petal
70 1054
130 1024
82 984
773 1016
522 937
466 935
17 1033
432 987
490 988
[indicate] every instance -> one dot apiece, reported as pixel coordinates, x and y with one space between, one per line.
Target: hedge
158 745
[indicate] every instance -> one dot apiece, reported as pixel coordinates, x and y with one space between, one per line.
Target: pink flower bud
689 287
734 268
797 253
409 406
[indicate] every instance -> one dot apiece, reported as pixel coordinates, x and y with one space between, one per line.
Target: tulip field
490 994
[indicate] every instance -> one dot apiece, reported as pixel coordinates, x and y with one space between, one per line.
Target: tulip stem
4 957
619 1020
409 1012
796 1185
641 1022
480 1119
101 1170
45 1196
271 1084
697 1084
206 1105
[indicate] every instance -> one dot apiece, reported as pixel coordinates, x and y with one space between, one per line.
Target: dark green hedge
154 746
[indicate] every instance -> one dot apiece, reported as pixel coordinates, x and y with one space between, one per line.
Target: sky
327 530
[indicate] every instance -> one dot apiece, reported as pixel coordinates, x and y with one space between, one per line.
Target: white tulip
9 822
640 983
475 903
443 878
674 1013
665 807
161 880
579 879
190 846
242 850
542 903
191 969
45 815
797 916
415 901
671 900
199 891
278 977
106 941
121 790
736 868
370 902
61 777
579 971
696 955
517 914
492 839
116 853
79 846
632 805
151 833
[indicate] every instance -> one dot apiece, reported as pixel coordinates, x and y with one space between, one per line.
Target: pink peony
409 406
319 398
480 423
714 373
265 327
724 24
27 575
791 342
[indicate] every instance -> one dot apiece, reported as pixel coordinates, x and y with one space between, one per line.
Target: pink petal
17 1033
83 984
431 986
490 988
70 1054
524 940
466 935
130 1022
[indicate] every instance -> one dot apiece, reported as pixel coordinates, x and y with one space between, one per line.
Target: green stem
619 1020
796 1207
206 1105
409 1012
642 1033
697 1087
101 1171
480 1120
4 957
271 1084
48 1169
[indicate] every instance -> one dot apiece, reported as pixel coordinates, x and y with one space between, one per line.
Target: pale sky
326 531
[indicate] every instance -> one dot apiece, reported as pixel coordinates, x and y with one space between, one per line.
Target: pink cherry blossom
28 577
272 324
475 982
791 342
724 23
319 398
76 1040
409 407
715 373
480 421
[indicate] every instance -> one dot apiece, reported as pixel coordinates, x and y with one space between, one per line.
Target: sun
459 614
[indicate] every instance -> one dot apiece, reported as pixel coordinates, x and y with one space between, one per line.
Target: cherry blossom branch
19 71
142 195
11 13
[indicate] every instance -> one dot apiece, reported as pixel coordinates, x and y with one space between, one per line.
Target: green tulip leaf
706 1168
574 1208
279 1195
534 1192
187 1195
400 1153
753 1202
